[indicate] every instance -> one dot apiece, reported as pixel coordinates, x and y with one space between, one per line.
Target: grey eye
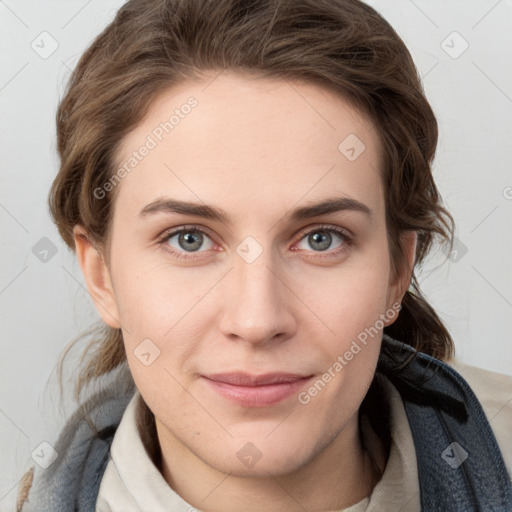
189 240
321 240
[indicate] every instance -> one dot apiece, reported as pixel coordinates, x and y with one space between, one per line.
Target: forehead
252 143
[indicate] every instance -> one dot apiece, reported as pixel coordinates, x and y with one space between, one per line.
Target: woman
248 189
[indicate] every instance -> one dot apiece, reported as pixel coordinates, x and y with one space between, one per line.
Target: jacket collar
460 466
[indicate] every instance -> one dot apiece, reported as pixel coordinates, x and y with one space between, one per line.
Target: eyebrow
331 205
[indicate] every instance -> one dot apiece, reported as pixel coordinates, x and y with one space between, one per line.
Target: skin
256 148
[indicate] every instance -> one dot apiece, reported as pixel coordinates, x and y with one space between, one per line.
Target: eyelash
346 239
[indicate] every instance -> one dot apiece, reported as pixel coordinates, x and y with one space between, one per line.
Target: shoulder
82 446
494 392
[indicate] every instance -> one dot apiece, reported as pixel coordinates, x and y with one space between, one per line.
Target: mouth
256 390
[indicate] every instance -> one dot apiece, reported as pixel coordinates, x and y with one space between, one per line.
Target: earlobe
97 277
410 240
403 280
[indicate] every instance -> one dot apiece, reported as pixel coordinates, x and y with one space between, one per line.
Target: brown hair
343 45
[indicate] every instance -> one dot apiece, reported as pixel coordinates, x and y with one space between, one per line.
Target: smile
256 390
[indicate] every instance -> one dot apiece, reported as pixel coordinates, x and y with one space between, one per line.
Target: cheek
152 295
160 317
352 308
353 296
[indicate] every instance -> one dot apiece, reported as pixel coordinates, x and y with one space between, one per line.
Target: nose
258 302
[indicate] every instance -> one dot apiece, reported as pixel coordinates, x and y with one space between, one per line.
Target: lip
256 390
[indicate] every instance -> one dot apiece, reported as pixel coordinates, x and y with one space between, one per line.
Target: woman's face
254 335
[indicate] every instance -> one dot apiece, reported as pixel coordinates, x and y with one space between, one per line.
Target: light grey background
44 304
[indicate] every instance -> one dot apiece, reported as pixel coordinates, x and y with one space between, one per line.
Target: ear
400 285
97 277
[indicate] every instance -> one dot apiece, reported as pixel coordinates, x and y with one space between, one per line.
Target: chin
261 459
